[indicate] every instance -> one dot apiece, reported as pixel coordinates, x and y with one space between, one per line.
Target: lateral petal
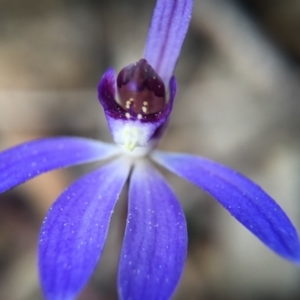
244 199
23 162
75 229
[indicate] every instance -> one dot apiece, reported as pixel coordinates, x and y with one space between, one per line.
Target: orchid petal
74 231
28 160
245 200
169 25
155 243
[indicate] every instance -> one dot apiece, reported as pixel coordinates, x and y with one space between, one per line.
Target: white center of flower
132 135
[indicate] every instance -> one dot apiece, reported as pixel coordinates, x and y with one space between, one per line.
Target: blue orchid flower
137 104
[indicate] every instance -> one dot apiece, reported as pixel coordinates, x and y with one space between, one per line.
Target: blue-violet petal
74 231
168 28
155 243
28 160
245 200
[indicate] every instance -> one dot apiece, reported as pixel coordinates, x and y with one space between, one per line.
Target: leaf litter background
238 103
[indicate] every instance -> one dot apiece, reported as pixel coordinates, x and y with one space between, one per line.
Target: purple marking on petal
113 110
107 96
28 160
169 25
151 126
155 243
245 200
161 129
75 229
140 89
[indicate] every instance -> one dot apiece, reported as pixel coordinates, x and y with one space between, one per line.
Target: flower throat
141 90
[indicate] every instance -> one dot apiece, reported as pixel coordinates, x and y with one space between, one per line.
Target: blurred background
238 103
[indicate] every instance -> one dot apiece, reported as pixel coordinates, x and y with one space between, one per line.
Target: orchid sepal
167 31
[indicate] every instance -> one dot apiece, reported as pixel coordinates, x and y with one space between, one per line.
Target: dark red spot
140 89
